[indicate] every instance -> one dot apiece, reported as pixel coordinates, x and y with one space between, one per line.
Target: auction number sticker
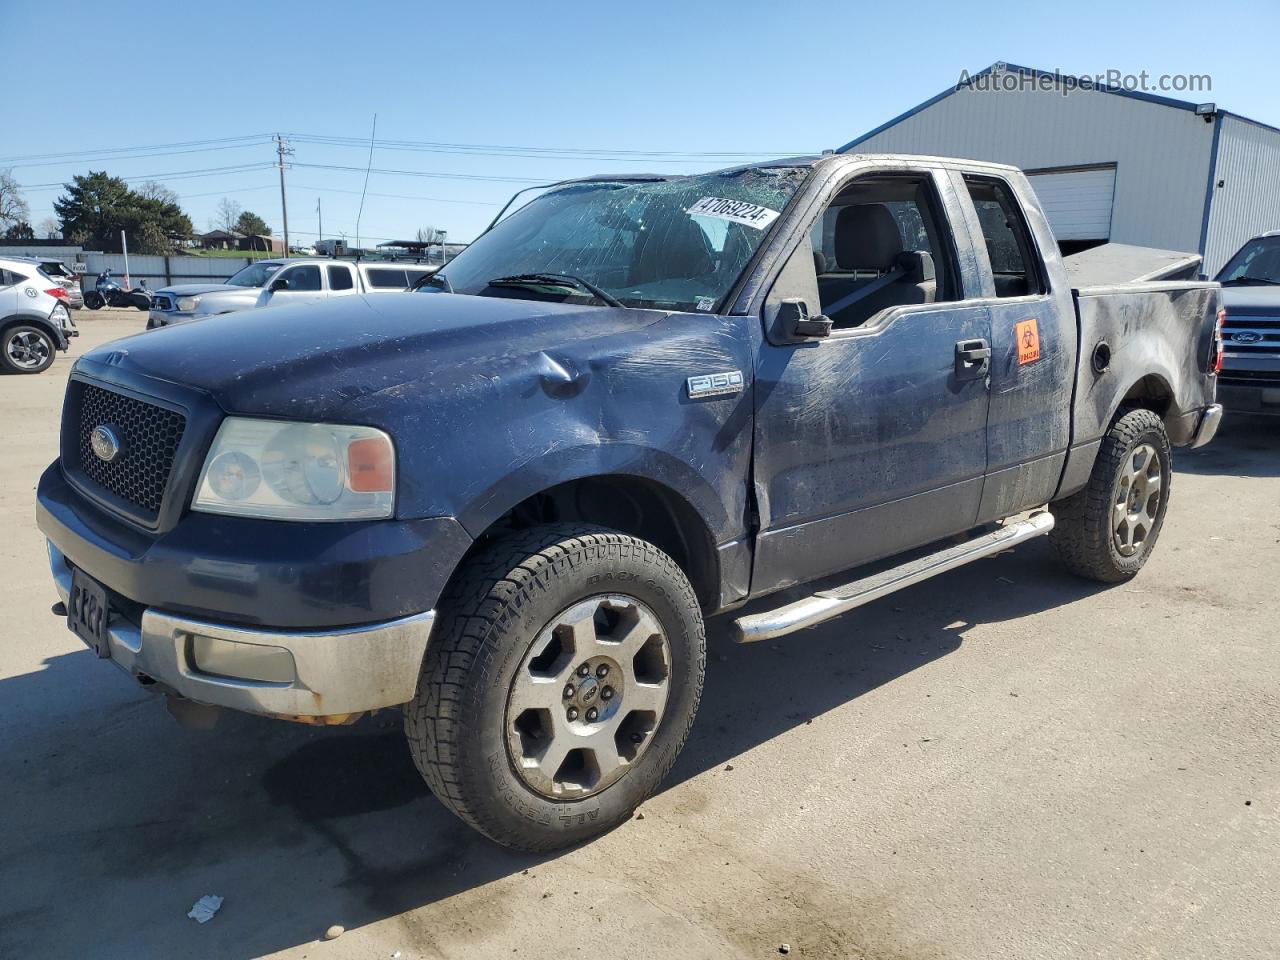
736 211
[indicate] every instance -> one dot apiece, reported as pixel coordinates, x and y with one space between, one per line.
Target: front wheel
93 300
560 685
1106 531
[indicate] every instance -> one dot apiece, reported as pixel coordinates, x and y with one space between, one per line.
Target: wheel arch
629 503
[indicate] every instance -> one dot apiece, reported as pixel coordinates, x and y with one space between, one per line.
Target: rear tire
1106 531
508 730
26 349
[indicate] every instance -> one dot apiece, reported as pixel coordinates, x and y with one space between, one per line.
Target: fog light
241 661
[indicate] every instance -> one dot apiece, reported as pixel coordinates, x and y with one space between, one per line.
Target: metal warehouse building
1107 163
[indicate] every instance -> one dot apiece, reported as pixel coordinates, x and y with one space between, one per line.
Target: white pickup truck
272 283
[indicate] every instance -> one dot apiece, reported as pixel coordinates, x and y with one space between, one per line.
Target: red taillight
59 292
1217 341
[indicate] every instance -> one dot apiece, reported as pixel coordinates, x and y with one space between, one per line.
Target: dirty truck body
508 501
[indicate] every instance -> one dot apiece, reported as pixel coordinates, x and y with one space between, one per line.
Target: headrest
819 263
867 237
916 266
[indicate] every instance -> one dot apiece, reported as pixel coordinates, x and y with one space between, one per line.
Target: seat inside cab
875 248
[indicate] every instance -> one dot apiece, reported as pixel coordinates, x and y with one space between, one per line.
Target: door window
340 278
1014 262
300 279
882 243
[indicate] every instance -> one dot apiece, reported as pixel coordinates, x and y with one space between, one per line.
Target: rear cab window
340 278
386 278
1015 263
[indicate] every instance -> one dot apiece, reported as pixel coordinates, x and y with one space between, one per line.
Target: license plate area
88 613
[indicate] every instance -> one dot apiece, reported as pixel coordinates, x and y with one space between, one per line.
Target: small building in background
1109 164
221 240
260 242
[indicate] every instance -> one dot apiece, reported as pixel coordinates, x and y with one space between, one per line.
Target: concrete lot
1004 762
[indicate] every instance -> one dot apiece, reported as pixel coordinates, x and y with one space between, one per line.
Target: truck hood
196 289
1261 300
353 356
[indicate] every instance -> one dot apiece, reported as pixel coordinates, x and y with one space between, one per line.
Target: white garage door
1077 201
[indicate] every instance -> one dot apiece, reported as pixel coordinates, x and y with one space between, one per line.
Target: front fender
601 459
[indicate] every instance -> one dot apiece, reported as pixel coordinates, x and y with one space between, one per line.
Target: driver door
872 440
300 283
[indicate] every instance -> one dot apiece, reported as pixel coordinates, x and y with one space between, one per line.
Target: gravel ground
1003 762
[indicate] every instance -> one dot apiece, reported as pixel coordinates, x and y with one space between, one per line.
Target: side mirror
794 320
280 283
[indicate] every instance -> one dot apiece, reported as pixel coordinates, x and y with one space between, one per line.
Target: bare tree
429 235
13 209
49 229
226 215
154 190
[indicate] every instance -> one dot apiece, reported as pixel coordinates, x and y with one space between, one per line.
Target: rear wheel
560 685
1106 531
26 349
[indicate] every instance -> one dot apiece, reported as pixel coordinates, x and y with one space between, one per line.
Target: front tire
560 685
26 349
93 300
1106 531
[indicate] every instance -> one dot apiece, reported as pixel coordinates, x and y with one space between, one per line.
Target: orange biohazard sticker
1028 334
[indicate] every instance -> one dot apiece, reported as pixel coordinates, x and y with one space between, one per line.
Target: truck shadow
1246 446
299 828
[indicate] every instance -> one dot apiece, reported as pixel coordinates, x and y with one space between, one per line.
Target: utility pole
319 221
282 150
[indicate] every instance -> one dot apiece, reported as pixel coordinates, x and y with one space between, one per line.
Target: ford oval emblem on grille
1246 336
105 443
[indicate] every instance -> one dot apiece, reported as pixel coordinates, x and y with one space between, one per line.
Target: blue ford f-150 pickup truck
506 503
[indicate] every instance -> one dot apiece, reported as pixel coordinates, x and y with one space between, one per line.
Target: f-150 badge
715 384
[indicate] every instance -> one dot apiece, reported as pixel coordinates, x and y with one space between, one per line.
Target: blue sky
602 81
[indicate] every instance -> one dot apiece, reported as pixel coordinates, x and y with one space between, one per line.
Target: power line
140 156
424 173
171 175
598 153
106 151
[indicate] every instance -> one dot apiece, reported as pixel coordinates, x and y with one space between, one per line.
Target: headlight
187 304
298 471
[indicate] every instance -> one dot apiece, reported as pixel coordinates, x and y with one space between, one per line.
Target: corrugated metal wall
1161 153
1248 202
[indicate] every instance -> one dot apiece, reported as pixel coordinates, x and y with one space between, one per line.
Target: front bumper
1210 420
1262 399
304 673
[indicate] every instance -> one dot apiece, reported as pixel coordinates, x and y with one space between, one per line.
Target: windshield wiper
556 280
1274 283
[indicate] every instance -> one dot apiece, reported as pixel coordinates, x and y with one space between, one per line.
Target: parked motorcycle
107 292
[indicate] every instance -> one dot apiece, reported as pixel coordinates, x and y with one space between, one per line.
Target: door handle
973 359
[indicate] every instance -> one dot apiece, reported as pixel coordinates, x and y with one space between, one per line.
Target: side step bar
832 603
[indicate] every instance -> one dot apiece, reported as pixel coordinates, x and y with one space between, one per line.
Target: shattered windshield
669 245
1258 261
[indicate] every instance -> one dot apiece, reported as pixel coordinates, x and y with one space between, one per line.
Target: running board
832 603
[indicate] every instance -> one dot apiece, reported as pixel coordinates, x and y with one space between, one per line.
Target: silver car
279 282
